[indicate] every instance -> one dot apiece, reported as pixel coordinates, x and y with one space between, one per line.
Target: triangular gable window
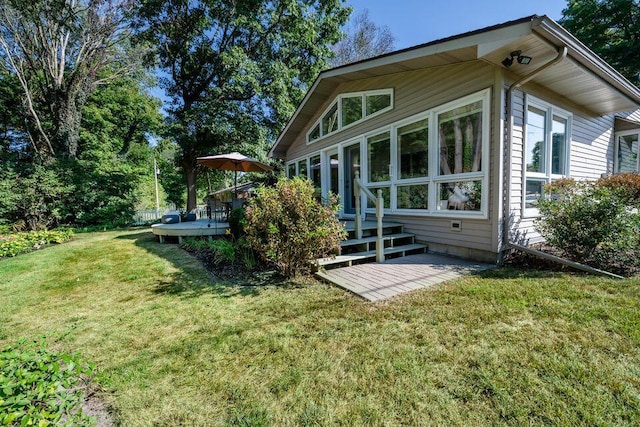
349 109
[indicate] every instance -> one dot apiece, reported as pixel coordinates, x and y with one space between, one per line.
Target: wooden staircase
397 243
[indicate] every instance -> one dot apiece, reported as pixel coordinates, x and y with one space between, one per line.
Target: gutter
562 53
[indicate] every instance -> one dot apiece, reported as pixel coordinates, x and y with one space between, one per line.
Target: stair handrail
379 204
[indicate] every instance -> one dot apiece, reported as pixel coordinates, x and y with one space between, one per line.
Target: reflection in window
558 145
386 195
461 139
330 120
333 164
315 132
351 110
291 170
413 150
376 103
316 174
413 196
547 150
302 168
378 148
536 120
460 196
627 154
533 193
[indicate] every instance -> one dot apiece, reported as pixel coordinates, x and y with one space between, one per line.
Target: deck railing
379 205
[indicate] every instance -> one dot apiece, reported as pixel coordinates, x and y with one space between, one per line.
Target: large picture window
547 144
350 108
435 161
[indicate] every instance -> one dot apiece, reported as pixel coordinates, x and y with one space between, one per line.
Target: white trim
547 176
337 101
434 178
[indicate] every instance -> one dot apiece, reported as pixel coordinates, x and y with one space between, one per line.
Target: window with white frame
349 109
460 148
433 162
627 159
547 144
308 167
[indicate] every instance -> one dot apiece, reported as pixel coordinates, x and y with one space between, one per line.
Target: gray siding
415 92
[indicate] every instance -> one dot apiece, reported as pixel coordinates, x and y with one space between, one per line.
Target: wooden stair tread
358 256
371 239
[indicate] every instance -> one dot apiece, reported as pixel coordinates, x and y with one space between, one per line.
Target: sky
414 22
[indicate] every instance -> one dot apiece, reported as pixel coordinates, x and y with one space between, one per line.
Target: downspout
562 53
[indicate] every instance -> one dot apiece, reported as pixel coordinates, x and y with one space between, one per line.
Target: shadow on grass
193 279
515 272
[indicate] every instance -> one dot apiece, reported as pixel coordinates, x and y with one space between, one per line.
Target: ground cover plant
173 346
39 386
12 244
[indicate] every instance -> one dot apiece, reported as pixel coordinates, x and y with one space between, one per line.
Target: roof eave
555 33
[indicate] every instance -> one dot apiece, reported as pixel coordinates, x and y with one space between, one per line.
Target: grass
174 346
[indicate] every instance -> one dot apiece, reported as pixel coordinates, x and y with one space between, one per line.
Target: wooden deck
375 282
199 228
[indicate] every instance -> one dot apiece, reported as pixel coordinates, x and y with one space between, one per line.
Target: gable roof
583 77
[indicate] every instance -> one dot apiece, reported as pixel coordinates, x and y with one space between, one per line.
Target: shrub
41 387
593 224
627 185
236 222
289 228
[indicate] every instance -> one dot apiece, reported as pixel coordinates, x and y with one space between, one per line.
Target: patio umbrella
233 162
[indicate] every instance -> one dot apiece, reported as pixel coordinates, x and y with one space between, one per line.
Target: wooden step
371 255
396 236
371 225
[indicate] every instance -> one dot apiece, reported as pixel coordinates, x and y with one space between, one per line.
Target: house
461 134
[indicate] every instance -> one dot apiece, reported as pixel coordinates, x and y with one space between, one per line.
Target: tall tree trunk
477 145
190 177
459 146
68 132
444 155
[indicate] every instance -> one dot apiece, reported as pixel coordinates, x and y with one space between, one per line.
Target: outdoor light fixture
522 59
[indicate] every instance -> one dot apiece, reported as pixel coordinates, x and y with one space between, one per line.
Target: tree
235 70
611 28
364 40
57 50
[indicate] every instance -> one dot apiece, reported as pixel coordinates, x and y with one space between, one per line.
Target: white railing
379 205
144 216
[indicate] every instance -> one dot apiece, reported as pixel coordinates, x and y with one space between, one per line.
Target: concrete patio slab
375 282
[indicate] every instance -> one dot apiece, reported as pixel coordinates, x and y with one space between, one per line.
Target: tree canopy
611 28
235 70
365 39
57 51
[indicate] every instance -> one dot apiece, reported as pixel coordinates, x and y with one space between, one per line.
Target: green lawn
174 346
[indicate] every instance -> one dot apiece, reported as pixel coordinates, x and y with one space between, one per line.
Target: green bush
236 222
41 387
593 224
289 228
216 251
626 185
13 244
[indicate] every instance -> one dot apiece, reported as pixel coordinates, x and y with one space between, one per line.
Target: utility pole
156 172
